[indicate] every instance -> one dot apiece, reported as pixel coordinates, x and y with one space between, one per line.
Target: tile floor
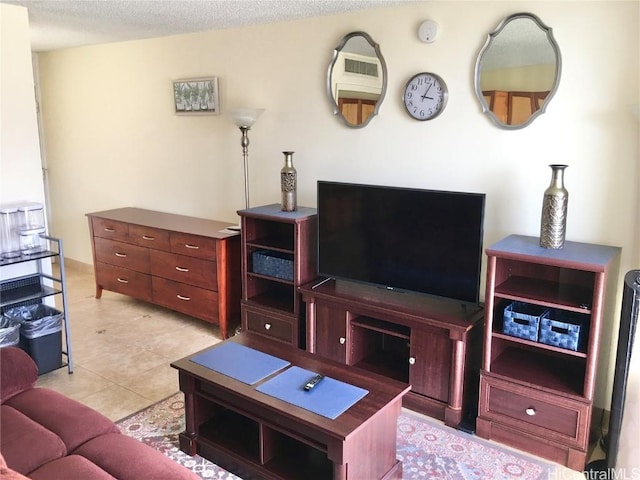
122 349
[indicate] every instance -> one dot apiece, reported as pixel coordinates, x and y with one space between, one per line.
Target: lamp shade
245 117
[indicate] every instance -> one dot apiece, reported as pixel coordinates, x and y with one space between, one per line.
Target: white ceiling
57 24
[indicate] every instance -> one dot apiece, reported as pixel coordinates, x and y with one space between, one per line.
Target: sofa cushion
19 434
72 421
72 467
18 372
129 459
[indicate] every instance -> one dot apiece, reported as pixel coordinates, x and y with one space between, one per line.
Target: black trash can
40 334
9 332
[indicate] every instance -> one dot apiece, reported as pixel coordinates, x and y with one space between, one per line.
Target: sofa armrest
18 372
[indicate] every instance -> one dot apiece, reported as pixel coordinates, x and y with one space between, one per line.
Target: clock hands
425 93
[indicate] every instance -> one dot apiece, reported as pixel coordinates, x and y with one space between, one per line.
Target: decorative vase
288 183
553 224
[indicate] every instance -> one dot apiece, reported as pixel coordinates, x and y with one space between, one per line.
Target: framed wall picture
196 96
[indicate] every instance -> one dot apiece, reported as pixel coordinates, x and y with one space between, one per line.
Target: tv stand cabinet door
331 332
430 363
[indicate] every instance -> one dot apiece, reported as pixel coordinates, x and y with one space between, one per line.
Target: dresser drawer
194 301
110 229
545 414
122 255
193 245
269 324
122 280
149 237
184 269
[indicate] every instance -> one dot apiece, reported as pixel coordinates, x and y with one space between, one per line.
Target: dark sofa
47 436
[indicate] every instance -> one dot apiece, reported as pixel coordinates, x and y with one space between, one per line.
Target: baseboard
78 266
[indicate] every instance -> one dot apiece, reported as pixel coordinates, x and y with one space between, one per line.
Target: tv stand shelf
429 342
281 243
382 326
545 292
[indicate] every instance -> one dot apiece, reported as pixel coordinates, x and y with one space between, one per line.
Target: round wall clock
425 96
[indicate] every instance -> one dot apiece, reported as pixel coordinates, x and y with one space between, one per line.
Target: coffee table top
382 391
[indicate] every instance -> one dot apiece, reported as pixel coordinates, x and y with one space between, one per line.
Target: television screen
425 241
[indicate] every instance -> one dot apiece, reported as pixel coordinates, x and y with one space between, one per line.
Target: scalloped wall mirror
517 71
357 79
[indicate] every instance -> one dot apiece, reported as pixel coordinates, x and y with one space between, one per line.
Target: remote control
313 382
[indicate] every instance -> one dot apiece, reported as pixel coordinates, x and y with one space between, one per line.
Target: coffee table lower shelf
257 436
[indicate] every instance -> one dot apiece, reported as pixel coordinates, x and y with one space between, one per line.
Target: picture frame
196 96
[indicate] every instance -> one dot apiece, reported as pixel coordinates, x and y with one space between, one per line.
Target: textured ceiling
59 24
520 42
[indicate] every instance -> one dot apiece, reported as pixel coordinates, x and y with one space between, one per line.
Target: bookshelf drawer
269 324
547 415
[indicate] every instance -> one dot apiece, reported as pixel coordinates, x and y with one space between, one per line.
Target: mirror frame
336 52
552 90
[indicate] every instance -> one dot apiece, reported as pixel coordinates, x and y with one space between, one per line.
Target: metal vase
553 224
288 183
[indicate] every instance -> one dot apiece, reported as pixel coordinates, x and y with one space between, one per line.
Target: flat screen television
406 239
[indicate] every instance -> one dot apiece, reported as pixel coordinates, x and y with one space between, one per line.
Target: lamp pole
244 118
244 142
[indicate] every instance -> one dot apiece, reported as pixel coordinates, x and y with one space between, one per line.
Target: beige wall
532 78
113 140
20 167
21 178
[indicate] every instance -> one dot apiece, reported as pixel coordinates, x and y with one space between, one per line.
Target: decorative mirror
357 79
517 71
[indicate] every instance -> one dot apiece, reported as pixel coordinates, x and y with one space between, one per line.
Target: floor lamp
244 118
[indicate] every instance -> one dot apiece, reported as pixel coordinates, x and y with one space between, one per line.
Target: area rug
428 449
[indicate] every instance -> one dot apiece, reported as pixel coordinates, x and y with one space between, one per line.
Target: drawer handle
122 280
412 360
342 340
110 230
182 269
530 411
267 326
122 255
181 297
195 247
147 237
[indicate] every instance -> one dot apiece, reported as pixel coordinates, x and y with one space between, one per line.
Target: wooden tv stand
255 435
434 344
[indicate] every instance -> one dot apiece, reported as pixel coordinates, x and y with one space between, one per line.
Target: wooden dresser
183 263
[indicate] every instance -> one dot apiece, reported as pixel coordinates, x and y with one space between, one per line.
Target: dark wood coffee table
255 435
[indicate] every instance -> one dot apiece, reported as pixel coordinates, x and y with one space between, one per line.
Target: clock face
425 96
